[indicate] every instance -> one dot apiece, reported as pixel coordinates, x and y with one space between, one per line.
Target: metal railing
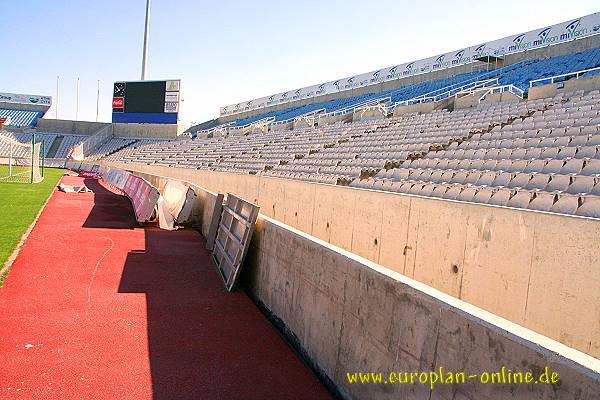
256 124
566 76
83 149
306 116
352 108
445 92
383 106
216 128
502 89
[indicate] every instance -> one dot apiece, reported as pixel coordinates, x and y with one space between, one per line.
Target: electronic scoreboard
153 102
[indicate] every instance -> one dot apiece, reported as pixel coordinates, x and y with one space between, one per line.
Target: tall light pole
77 103
97 100
146 32
57 84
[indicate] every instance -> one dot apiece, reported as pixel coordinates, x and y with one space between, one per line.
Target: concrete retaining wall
69 127
420 108
349 315
552 89
472 100
148 131
539 270
346 314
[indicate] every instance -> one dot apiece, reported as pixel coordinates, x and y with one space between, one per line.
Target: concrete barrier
70 127
552 89
349 315
536 269
149 131
472 100
414 108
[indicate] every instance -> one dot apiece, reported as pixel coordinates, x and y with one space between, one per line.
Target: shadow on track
110 210
206 343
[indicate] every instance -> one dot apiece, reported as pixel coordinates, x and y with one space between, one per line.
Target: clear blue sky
229 51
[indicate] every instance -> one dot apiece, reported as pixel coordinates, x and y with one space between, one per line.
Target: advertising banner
25 99
563 32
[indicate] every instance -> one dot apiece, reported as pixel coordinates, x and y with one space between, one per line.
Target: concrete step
54 147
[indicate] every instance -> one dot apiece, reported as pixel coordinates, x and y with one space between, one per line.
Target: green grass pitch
19 205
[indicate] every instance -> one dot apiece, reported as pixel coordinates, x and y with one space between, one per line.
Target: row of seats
558 202
560 181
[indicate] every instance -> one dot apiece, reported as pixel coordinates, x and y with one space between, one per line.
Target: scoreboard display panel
154 102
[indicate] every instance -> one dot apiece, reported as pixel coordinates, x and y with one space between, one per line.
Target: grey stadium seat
483 195
520 165
520 180
592 167
542 201
476 164
439 191
553 167
573 166
447 176
594 140
532 153
487 178
416 188
464 164
582 184
467 194
500 197
427 189
535 166
566 152
472 177
549 153
520 199
453 192
579 141
395 187
558 183
586 152
436 176
400 173
505 165
566 204
459 177
503 179
489 165
590 207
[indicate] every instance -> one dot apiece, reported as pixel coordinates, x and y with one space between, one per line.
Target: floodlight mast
146 31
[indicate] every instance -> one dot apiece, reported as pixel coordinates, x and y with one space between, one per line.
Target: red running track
97 308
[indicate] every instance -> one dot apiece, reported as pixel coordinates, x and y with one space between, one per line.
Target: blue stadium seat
20 118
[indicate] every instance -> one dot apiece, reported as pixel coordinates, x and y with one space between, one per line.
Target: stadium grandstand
21 118
438 215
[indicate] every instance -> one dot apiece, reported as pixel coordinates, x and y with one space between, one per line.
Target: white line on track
112 244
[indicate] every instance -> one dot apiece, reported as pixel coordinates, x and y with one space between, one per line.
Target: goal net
20 162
